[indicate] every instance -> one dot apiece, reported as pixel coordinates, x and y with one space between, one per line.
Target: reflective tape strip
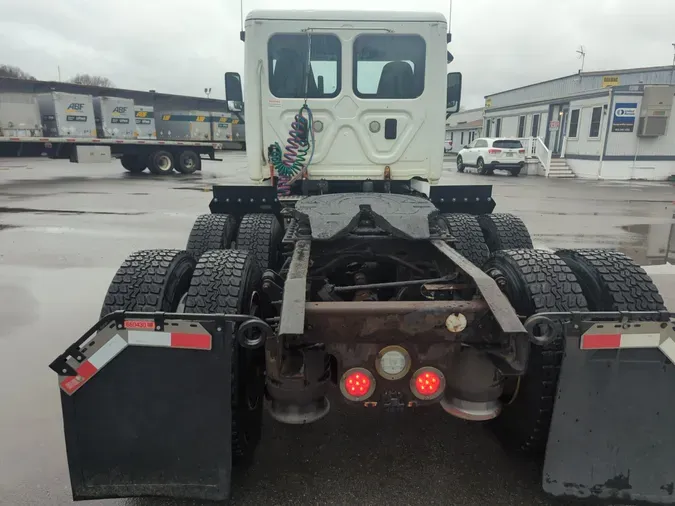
640 340
191 341
620 341
600 341
169 339
107 352
141 338
89 367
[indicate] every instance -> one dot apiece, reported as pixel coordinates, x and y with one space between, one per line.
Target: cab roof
317 15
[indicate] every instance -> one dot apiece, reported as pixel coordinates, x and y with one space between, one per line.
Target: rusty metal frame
499 305
365 321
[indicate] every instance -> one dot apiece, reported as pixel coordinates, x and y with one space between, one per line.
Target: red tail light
494 151
521 151
357 384
427 383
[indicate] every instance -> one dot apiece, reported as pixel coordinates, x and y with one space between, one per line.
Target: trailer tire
534 281
134 163
188 162
470 242
504 231
210 232
612 281
227 281
150 280
261 234
161 162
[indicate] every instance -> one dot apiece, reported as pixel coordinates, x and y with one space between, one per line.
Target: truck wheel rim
164 163
188 163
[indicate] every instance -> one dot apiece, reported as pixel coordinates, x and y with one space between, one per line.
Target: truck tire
161 162
134 163
534 281
470 242
504 231
261 234
612 281
227 281
188 162
150 280
211 231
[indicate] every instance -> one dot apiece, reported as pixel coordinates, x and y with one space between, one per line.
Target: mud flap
613 429
156 420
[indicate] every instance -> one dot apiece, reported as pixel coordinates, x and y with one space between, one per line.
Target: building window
521 126
535 125
287 59
389 66
595 123
498 127
574 123
462 139
451 135
488 126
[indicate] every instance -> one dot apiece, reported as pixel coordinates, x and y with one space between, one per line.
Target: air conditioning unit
657 104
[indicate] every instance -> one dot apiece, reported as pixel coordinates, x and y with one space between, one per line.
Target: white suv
488 154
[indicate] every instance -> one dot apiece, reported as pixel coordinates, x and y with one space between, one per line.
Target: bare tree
92 80
15 72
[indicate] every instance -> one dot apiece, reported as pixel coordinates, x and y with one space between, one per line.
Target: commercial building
612 124
463 127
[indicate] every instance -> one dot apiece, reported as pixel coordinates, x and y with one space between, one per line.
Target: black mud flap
613 430
146 406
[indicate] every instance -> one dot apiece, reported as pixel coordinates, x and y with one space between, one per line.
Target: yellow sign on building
488 102
609 81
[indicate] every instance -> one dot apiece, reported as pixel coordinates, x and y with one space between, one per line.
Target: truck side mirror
233 93
454 96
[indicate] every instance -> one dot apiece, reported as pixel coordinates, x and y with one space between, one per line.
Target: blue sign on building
624 116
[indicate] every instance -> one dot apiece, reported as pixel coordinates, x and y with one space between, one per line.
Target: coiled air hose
289 164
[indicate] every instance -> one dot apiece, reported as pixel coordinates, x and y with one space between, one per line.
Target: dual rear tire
538 281
210 279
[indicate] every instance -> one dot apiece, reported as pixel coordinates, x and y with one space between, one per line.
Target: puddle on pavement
651 244
15 210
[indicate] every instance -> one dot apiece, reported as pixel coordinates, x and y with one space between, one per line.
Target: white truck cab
374 83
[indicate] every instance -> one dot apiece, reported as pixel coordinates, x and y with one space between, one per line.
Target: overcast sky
179 46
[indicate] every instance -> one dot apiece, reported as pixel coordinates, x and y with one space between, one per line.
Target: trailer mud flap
146 407
613 429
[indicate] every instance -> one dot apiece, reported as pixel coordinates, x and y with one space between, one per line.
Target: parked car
488 154
447 148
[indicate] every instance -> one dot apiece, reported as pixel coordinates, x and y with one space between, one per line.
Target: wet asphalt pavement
65 228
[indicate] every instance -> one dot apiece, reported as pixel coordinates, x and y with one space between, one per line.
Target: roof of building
589 74
325 15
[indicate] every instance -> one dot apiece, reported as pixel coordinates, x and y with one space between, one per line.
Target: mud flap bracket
612 433
147 411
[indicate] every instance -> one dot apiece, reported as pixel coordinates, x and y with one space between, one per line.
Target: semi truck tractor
344 272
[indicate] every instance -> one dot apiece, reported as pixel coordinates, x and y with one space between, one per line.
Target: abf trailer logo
120 110
75 107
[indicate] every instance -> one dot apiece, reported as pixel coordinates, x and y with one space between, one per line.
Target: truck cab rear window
289 75
389 66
